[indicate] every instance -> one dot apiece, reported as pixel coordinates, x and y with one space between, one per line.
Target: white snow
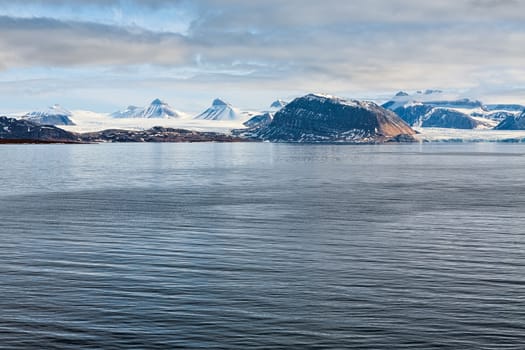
476 135
335 99
87 121
486 123
50 111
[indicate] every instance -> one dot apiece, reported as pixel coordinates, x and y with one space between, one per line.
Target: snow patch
87 121
463 135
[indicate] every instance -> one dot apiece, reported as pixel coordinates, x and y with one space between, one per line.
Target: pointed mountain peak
156 109
219 102
220 110
157 102
402 93
278 104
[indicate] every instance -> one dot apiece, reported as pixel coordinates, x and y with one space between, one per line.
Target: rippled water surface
260 246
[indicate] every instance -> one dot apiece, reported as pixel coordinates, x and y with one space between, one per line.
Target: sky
103 55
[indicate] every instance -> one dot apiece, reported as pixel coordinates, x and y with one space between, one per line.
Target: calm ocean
262 246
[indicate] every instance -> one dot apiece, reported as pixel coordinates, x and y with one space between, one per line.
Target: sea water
260 246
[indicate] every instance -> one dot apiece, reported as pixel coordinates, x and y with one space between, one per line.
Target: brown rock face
320 118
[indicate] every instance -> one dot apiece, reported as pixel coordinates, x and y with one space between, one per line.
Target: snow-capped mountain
403 98
325 118
427 116
54 115
129 112
259 120
500 112
220 110
450 118
435 98
277 105
514 122
434 108
156 109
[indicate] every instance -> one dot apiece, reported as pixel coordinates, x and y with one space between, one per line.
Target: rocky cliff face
323 118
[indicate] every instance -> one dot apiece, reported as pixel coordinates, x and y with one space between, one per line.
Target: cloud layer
357 47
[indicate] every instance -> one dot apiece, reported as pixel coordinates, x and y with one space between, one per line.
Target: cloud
494 3
49 42
333 46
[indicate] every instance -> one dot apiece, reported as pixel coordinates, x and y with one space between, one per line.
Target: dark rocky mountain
448 118
413 115
321 118
157 134
21 130
54 115
259 120
513 122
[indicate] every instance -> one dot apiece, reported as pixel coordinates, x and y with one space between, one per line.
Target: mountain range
311 118
433 109
156 109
